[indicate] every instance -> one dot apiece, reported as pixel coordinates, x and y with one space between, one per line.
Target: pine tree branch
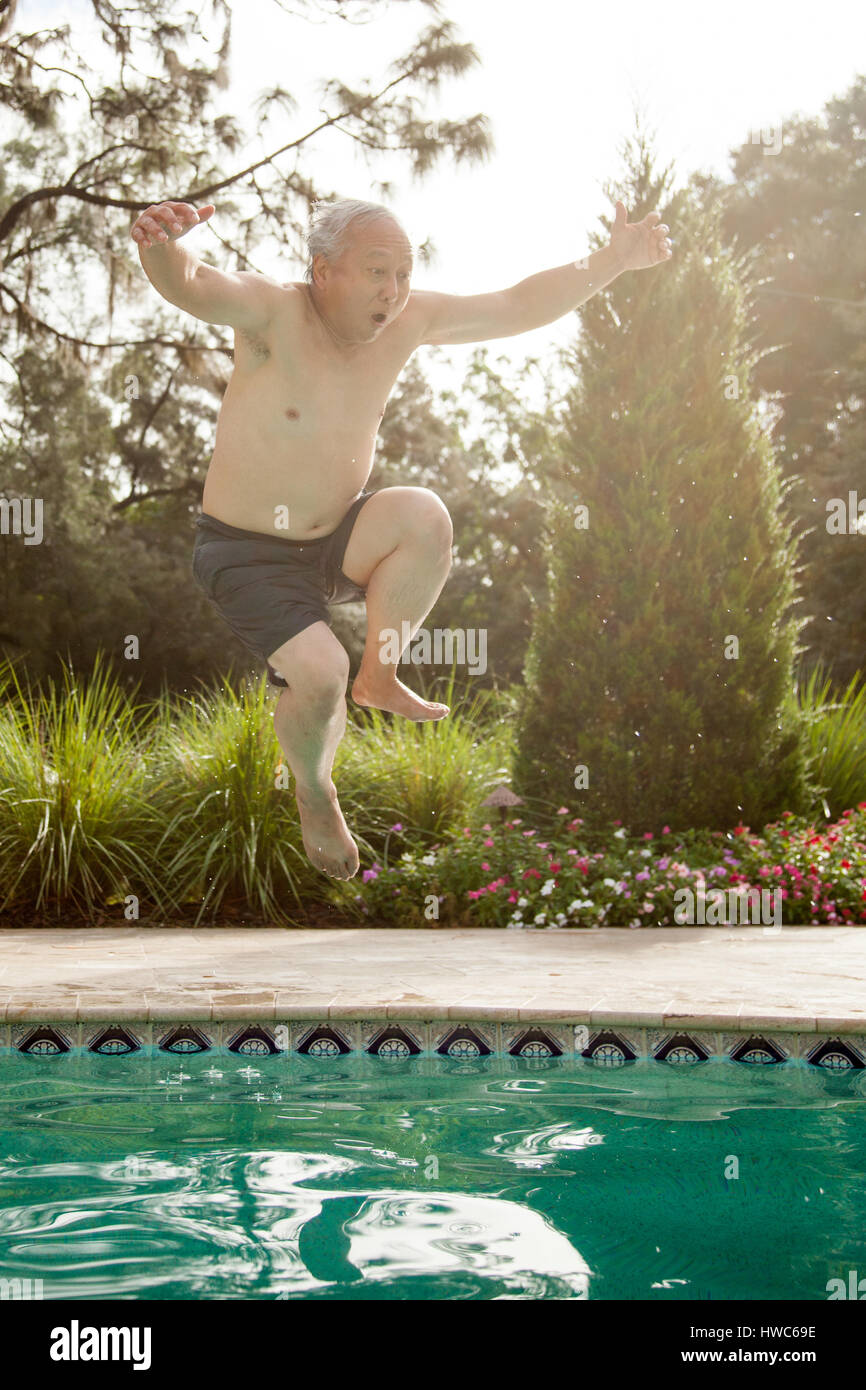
188 485
15 211
112 343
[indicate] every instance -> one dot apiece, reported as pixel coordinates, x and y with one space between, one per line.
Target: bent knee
431 518
315 667
321 682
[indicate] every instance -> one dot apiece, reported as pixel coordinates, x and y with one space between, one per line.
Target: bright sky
558 81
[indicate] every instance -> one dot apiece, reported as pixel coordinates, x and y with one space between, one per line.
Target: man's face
367 286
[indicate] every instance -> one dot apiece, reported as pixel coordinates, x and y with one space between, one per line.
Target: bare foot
391 694
327 841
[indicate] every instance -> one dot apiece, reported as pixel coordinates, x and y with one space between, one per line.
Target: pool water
211 1177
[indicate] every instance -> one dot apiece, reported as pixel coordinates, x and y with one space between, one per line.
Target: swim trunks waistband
212 523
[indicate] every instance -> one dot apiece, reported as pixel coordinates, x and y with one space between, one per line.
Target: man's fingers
154 227
163 221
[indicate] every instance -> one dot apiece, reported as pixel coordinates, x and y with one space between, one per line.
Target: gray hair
330 223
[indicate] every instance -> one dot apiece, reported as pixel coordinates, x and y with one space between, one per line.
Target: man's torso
297 426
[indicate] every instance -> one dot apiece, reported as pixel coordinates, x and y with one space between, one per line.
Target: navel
292 414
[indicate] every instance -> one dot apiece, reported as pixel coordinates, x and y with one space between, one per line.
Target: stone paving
808 979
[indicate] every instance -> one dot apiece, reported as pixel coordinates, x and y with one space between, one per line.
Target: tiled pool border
837 1048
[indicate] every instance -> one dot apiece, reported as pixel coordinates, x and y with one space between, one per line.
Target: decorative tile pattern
463 1040
324 1039
538 1041
676 1045
392 1040
761 1048
613 1047
250 1039
682 1049
837 1054
44 1039
111 1038
184 1037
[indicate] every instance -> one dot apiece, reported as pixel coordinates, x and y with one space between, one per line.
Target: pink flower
488 844
398 826
563 811
486 867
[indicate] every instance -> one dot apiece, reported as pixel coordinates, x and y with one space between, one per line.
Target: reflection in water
304 1178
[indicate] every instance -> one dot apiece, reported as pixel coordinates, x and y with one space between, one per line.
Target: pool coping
645 992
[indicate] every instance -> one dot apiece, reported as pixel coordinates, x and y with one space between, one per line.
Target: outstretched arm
240 299
545 297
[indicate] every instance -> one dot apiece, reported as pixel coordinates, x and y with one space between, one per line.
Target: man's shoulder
420 309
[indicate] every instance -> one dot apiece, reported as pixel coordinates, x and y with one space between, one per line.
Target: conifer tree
662 662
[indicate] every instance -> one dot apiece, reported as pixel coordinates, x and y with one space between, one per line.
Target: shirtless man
287 525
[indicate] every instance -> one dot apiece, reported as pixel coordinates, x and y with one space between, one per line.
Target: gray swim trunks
268 588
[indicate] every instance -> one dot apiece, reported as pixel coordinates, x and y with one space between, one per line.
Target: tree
797 205
662 660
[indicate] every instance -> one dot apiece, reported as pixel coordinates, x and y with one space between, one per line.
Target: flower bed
517 876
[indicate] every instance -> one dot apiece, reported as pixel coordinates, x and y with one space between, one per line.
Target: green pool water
214 1177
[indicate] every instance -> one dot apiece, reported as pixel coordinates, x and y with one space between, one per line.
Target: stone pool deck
802 980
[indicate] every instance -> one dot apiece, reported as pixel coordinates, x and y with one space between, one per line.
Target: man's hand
637 245
166 222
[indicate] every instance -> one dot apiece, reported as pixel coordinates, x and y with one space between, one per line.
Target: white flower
429 859
609 882
517 916
540 918
645 853
620 834
547 888
561 918
523 902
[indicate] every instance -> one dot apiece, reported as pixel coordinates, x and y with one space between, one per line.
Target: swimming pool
218 1176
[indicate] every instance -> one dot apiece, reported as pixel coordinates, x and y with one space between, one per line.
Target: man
287 525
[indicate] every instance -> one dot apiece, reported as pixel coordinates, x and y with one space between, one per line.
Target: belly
294 477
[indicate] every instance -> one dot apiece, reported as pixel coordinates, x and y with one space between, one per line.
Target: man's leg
310 720
400 552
